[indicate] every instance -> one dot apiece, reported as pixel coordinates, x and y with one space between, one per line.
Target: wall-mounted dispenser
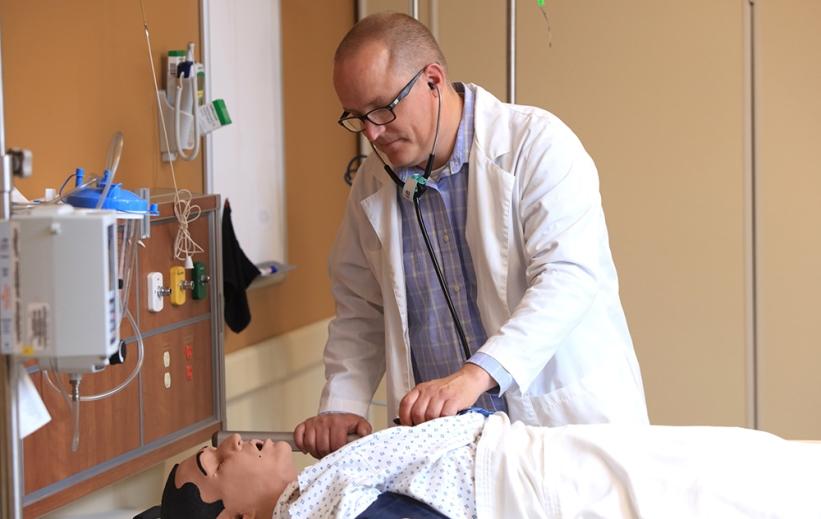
186 116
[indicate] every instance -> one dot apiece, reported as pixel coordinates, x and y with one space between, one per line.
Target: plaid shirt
435 348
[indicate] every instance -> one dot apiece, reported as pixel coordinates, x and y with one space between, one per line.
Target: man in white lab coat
511 201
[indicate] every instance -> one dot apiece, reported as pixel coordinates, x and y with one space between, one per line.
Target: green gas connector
200 279
540 3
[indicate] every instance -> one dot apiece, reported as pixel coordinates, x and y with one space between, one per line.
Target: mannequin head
237 479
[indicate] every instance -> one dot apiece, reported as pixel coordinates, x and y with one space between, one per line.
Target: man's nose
372 131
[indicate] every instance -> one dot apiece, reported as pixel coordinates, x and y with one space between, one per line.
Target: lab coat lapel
488 228
382 211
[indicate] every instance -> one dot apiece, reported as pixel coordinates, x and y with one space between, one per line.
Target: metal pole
414 8
205 55
11 466
5 166
750 220
434 19
511 51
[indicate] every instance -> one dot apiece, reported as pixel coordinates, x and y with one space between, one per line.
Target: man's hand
444 396
325 433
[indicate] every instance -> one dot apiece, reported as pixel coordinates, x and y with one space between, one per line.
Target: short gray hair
410 44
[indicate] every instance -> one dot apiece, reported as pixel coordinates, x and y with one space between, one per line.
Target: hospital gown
432 463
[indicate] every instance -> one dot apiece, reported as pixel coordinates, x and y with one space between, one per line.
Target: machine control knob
119 356
20 162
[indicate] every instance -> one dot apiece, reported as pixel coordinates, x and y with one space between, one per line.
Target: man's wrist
502 377
481 377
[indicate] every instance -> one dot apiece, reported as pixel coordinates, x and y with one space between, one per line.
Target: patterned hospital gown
432 462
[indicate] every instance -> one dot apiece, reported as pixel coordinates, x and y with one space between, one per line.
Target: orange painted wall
76 72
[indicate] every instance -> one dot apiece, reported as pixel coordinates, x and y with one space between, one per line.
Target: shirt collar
464 138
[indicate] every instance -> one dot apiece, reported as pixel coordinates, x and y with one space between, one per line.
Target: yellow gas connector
177 278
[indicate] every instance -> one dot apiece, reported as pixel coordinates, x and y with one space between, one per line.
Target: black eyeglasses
377 116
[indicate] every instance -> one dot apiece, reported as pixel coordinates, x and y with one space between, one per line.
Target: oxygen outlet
177 284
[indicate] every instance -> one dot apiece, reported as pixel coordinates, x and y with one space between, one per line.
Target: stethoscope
412 190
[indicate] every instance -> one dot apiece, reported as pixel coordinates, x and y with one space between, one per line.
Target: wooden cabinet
175 403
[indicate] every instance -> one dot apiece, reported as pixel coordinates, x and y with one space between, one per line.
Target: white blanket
612 471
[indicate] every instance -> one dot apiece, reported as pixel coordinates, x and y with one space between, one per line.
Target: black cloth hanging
237 273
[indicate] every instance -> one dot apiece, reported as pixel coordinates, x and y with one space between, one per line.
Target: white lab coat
546 283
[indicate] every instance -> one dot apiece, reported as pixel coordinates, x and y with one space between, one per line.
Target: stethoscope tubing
420 189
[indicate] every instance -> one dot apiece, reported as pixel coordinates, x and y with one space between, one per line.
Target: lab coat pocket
597 398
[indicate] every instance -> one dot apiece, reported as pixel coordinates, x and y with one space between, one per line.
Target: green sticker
540 3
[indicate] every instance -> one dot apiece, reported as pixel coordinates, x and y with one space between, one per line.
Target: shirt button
446 238
457 288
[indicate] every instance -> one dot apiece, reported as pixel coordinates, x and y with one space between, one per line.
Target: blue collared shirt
435 348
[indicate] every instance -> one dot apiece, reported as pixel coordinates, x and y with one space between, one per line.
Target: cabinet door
656 92
788 123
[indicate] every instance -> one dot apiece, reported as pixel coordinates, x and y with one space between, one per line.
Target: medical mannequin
511 204
473 466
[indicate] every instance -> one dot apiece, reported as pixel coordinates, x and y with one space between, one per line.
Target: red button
189 352
189 372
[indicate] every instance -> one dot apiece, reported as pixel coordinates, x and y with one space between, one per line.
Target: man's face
365 81
247 476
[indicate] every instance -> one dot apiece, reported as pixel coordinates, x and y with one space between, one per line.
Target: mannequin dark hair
185 502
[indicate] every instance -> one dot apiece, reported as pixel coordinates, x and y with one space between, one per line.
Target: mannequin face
365 81
248 476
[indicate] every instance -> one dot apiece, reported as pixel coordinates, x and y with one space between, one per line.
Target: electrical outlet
155 292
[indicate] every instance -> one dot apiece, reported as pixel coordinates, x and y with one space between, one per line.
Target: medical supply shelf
176 402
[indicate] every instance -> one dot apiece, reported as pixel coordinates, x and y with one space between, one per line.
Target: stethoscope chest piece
415 183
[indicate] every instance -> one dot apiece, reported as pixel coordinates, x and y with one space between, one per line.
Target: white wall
245 161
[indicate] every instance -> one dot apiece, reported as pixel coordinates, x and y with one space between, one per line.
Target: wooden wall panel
190 398
108 428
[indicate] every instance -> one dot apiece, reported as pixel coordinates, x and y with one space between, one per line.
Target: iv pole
11 464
